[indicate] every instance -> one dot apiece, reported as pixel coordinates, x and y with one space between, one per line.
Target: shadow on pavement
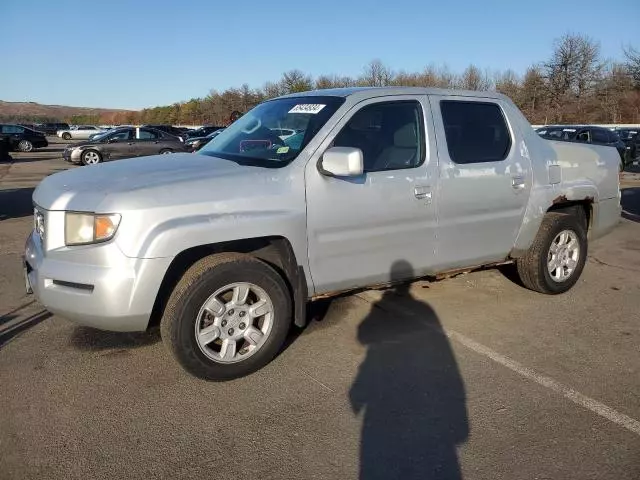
16 203
91 339
13 330
631 203
409 391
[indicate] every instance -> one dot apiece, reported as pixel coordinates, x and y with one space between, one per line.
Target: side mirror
342 162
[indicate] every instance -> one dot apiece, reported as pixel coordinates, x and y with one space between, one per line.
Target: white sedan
81 132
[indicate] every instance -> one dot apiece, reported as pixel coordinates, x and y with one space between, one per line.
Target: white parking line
576 397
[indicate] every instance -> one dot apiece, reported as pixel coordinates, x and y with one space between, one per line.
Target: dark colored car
21 138
122 143
632 140
170 129
587 134
203 131
51 128
196 143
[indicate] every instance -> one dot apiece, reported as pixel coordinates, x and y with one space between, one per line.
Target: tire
91 157
183 317
533 268
165 151
66 136
25 146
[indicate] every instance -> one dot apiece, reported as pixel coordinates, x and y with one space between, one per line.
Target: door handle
422 193
518 183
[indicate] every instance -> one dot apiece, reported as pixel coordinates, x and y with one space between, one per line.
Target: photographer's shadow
409 390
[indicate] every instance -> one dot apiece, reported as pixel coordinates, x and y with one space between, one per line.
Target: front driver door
485 179
120 144
379 226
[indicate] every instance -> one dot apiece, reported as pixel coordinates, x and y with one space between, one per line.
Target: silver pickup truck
225 247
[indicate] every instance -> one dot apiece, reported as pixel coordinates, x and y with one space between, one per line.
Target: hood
151 182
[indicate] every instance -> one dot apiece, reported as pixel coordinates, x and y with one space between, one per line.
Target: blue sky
140 53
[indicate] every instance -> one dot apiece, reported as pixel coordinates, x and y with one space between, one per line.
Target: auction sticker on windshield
307 108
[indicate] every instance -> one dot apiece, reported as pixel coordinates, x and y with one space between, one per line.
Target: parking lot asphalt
470 377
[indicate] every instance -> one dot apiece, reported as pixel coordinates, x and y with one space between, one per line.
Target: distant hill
31 111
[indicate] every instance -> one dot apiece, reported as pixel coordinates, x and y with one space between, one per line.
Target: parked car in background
388 185
121 143
631 139
102 131
170 129
587 134
21 138
51 128
80 132
196 143
203 131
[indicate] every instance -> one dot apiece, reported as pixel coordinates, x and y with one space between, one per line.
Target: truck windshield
263 137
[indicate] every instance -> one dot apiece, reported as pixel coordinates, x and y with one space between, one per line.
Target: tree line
574 85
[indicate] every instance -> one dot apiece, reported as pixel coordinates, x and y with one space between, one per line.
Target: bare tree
633 64
334 81
508 83
533 98
295 81
473 79
376 74
572 73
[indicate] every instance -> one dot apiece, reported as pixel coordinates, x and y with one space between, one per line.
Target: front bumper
71 155
116 297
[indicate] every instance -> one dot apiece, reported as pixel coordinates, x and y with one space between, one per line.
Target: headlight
84 228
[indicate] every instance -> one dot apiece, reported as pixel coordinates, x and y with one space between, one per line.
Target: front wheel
228 316
90 157
554 262
25 146
66 136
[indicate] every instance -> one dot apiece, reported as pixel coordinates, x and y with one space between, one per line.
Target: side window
12 129
390 135
476 132
123 135
583 136
599 136
555 133
147 134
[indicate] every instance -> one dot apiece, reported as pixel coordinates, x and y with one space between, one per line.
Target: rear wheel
227 317
25 146
91 157
554 262
165 151
66 136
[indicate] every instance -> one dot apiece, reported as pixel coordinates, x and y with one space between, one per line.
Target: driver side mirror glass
342 162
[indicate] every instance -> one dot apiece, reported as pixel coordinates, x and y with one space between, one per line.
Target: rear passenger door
484 184
147 142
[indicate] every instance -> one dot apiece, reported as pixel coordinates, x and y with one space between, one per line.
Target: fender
547 197
170 237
